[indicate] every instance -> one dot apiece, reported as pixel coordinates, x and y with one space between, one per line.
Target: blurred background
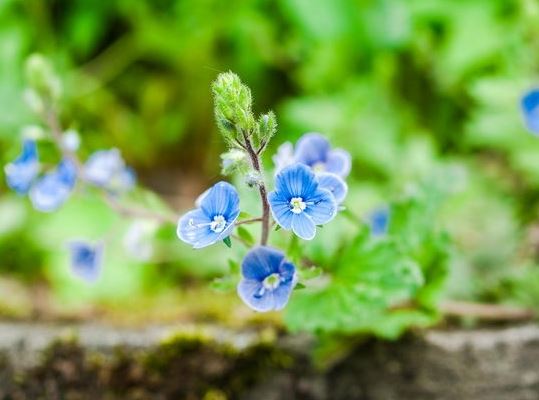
414 90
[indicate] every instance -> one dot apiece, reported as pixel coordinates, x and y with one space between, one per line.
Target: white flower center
319 167
272 281
218 224
297 205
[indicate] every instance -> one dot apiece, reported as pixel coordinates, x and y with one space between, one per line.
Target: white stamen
218 224
272 281
297 205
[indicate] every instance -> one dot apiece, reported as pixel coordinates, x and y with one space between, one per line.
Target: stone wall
43 361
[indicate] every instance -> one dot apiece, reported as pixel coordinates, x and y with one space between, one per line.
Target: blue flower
107 169
284 156
267 279
379 221
530 109
86 260
314 150
50 191
214 218
20 173
299 203
335 184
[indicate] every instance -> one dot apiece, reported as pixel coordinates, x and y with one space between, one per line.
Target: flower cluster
309 186
49 190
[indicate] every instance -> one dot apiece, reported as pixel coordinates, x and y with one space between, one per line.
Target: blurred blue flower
21 173
284 156
137 240
267 279
107 169
315 151
299 203
379 221
213 220
50 191
530 109
86 260
335 184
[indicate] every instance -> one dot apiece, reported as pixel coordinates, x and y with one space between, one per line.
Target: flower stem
257 165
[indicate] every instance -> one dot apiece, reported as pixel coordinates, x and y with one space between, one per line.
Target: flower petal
280 209
312 148
303 226
281 294
335 184
339 162
53 189
24 169
261 262
222 199
321 207
194 229
296 180
252 293
530 109
86 260
379 221
284 156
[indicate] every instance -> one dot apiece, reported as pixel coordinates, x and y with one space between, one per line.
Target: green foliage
380 285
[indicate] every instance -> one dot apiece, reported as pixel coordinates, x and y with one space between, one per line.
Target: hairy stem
255 161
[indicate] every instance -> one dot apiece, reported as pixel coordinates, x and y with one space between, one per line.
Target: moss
185 366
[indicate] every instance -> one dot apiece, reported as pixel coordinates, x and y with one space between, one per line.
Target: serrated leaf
245 235
228 242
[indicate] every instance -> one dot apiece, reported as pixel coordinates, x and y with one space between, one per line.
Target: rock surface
213 363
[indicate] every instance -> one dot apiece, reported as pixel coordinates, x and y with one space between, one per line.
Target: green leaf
245 235
299 286
228 242
245 215
234 267
277 228
223 284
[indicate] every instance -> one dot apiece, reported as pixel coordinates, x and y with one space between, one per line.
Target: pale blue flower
52 190
335 184
379 221
267 279
284 156
137 240
299 203
314 150
107 169
213 220
21 173
530 110
86 260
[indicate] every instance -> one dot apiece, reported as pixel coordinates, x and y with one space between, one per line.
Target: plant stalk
257 165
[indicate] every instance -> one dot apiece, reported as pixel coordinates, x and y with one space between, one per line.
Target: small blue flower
50 191
335 184
20 173
213 220
107 169
299 203
86 260
267 279
315 151
530 109
379 221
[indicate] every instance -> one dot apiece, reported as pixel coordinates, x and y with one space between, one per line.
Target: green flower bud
41 77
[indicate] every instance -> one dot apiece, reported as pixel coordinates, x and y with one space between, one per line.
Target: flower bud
41 77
